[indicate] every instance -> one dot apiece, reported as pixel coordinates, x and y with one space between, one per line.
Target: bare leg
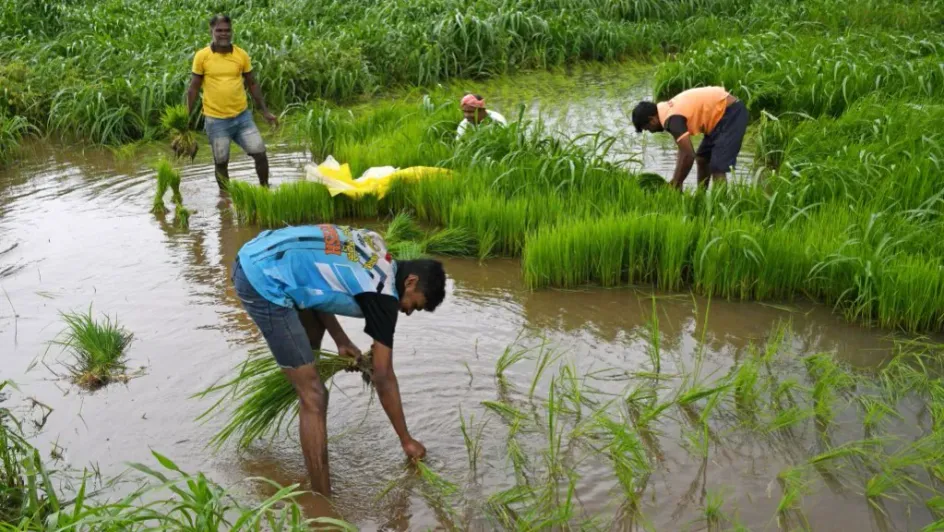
222 175
262 168
313 411
312 424
719 179
704 174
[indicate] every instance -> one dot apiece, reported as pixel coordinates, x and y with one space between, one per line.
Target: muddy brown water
75 231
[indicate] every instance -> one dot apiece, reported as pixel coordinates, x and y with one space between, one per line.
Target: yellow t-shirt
223 92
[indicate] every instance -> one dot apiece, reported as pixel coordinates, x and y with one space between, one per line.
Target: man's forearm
256 93
191 99
331 324
683 165
388 390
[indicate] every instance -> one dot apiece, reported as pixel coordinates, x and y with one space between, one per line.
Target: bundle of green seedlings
97 349
183 141
406 240
168 177
266 401
36 497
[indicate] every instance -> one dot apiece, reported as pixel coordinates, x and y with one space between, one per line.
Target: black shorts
722 145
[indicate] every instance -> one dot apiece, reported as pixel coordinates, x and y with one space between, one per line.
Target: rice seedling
794 485
828 379
508 412
874 410
265 400
401 229
714 516
407 250
545 358
451 241
165 174
744 381
176 121
511 356
97 349
181 216
473 444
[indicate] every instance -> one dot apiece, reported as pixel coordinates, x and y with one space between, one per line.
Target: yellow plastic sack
337 177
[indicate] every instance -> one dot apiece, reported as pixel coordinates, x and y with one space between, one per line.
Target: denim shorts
281 326
240 129
722 145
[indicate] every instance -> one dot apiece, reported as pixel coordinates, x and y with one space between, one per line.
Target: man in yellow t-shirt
222 69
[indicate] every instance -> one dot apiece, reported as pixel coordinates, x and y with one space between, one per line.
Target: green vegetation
576 217
106 71
34 497
569 431
97 349
12 129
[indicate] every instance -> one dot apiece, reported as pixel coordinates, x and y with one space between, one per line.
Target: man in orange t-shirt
224 71
711 111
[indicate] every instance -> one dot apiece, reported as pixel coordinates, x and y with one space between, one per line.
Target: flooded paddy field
77 232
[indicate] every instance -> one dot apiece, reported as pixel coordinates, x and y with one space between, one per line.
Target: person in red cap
474 111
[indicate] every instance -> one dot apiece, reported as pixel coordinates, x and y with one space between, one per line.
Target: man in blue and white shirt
294 281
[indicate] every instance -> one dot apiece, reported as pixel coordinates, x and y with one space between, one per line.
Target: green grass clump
98 349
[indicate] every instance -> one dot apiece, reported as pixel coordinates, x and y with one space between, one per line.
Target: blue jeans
281 326
239 129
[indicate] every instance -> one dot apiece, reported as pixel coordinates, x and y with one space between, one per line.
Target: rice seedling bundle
176 121
290 203
402 228
181 216
266 400
97 349
165 174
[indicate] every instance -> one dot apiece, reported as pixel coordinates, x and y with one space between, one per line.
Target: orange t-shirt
702 108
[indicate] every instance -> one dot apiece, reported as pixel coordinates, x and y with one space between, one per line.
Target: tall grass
12 129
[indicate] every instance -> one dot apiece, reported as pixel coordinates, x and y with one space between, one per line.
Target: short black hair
432 279
644 112
219 17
